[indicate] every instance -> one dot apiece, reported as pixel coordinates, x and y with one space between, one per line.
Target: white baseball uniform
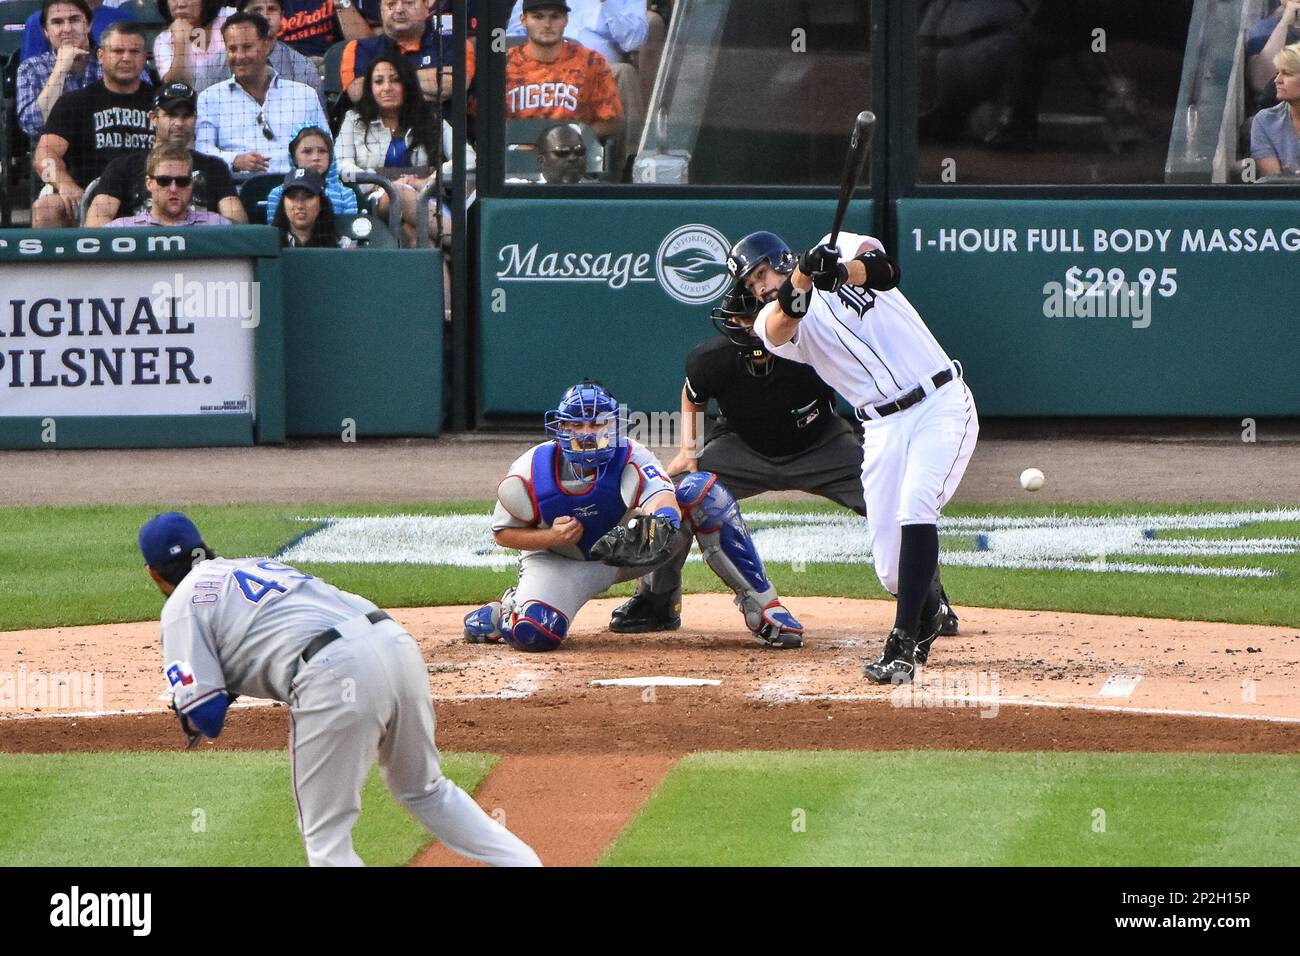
561 577
241 626
873 348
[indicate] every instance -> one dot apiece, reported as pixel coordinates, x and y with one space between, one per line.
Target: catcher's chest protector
599 508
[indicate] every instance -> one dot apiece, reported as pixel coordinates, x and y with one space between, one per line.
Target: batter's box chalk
656 682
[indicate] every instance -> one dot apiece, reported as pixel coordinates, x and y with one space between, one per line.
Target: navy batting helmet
754 250
587 402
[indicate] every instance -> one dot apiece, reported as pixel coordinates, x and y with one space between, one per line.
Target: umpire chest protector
598 508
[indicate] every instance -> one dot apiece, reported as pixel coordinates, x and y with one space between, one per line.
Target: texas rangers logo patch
179 674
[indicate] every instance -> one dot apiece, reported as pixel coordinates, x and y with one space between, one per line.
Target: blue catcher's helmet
755 249
587 402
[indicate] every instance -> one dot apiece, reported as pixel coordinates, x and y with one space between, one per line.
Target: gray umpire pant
832 468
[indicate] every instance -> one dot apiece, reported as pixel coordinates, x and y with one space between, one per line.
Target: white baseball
1031 479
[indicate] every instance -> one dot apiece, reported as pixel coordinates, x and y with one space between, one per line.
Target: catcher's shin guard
713 515
535 627
483 625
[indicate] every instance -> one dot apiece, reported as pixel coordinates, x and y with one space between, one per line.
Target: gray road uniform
242 625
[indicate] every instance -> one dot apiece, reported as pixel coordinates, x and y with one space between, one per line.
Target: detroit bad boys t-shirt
100 126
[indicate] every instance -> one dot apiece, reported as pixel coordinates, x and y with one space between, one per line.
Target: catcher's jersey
869 346
643 478
241 624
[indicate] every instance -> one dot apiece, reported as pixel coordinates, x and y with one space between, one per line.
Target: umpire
778 431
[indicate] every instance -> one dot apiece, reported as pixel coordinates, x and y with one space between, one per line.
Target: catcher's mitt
638 543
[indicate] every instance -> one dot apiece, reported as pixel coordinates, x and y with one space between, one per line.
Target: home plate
656 682
1119 685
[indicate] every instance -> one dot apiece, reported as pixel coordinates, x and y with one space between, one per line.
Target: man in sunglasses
170 180
249 119
123 188
562 155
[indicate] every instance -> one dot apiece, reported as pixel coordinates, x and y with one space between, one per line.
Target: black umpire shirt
782 413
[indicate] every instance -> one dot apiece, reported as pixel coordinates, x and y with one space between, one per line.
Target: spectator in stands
170 180
614 29
311 148
284 59
562 155
36 42
550 77
305 218
89 128
1275 132
1264 41
409 29
69 65
313 26
123 187
249 119
394 128
192 40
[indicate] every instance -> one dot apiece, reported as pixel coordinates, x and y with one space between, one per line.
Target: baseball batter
590 508
354 680
778 431
838 309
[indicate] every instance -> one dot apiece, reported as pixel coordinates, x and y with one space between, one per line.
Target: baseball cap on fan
308 179
173 95
168 536
543 4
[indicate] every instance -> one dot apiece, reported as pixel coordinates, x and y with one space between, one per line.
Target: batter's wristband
673 517
793 302
883 272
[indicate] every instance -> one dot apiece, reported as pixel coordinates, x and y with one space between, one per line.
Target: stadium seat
86 199
145 11
378 238
253 193
521 143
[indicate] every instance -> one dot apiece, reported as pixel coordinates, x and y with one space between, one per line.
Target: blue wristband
673 517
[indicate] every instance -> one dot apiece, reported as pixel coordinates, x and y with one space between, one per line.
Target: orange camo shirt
578 86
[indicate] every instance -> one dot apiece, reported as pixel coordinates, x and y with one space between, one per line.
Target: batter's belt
325 638
908 399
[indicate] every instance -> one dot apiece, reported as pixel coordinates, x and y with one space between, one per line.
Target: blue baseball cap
167 536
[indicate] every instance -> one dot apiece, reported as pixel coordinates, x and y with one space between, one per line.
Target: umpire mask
734 318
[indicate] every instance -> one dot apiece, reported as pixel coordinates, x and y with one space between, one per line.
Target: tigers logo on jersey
859 300
543 96
578 85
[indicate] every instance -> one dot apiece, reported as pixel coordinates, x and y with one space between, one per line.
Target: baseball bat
859 149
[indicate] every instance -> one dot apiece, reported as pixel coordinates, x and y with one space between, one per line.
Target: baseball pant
364 696
832 468
566 584
912 462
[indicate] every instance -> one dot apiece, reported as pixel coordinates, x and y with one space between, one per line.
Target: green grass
940 808
79 565
185 809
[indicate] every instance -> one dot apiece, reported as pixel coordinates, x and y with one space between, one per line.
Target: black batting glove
819 259
832 279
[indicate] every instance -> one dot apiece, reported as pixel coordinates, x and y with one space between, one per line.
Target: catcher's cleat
483 625
897 663
780 628
645 612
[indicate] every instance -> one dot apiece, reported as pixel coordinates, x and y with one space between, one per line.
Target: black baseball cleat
897 663
645 612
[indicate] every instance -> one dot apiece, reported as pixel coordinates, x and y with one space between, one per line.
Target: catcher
591 508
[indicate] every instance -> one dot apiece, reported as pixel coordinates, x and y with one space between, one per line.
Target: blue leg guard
536 627
483 625
713 515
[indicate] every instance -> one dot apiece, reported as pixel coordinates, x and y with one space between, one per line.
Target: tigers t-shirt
577 86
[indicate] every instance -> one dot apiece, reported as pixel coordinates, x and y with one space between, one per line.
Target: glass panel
1067 91
721 92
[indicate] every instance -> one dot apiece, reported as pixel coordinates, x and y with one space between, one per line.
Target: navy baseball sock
918 560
